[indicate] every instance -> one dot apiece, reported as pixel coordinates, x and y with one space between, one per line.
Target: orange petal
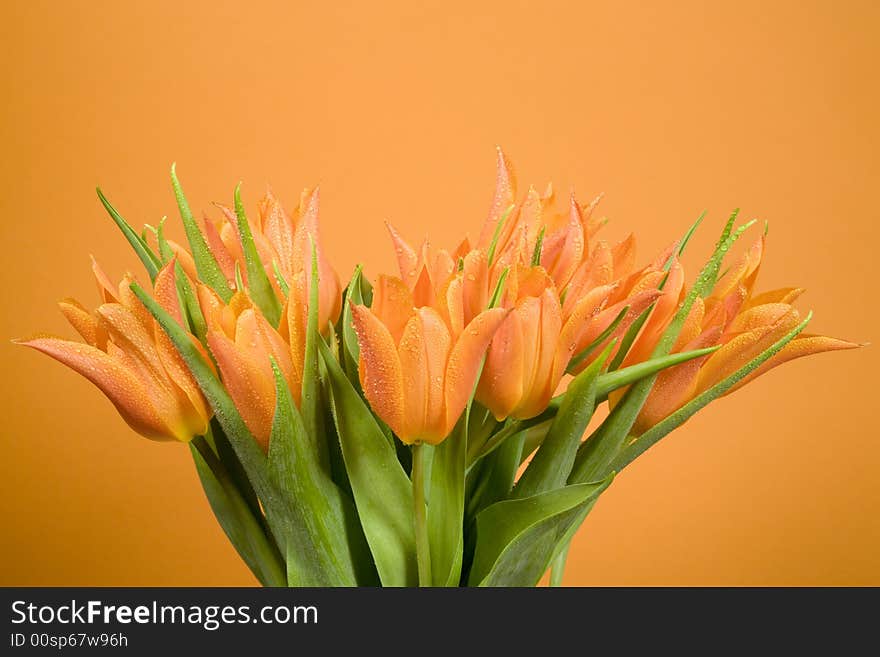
407 258
278 230
505 194
675 386
308 233
117 382
185 259
572 250
803 345
221 253
137 341
599 267
465 360
623 256
392 304
781 295
637 304
463 248
575 325
500 388
531 217
423 291
83 321
107 291
165 291
380 370
742 348
664 310
539 383
250 384
423 351
475 285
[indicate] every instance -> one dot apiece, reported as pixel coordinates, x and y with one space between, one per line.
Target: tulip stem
421 453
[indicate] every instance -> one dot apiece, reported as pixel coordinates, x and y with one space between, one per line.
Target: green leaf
551 465
539 243
138 243
236 517
446 507
517 539
382 490
322 546
206 266
497 475
285 288
676 419
495 299
310 400
258 283
611 381
359 291
249 454
725 237
690 233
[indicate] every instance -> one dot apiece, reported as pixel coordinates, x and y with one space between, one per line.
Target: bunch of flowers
427 428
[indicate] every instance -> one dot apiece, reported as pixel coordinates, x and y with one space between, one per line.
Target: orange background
670 108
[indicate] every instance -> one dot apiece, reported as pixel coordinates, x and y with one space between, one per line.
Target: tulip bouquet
427 428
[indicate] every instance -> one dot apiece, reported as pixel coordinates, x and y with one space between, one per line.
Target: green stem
558 567
423 549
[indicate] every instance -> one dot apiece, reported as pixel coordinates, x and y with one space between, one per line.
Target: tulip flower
564 235
416 375
426 270
744 326
243 344
282 242
131 360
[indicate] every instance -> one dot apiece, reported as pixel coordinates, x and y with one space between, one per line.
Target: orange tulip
426 270
744 326
566 235
243 343
415 373
532 347
131 359
282 241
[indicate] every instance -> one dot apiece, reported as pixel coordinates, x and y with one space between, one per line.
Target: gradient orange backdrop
394 108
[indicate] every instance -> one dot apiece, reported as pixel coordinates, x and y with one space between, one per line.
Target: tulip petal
505 195
185 259
743 348
465 361
392 304
674 386
623 255
501 382
117 382
380 371
407 258
108 292
423 351
540 384
83 321
781 295
248 382
803 345
575 324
